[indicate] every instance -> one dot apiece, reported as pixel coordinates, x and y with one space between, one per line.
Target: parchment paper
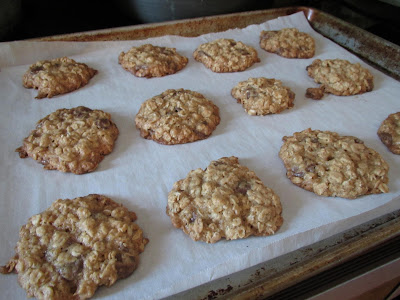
139 173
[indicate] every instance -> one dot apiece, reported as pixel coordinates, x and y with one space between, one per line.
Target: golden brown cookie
226 55
152 61
71 140
288 42
76 246
226 200
328 164
338 77
57 76
389 132
177 117
262 96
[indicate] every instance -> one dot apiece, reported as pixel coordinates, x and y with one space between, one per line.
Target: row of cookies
339 77
76 140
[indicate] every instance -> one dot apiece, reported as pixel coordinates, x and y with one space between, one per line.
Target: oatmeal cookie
226 200
288 42
57 76
75 246
177 117
71 140
226 55
262 96
328 164
152 61
338 77
389 132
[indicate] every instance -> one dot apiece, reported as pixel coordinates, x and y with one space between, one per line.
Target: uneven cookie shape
328 164
226 200
226 55
75 246
338 77
389 132
262 96
71 140
288 42
177 117
57 76
152 61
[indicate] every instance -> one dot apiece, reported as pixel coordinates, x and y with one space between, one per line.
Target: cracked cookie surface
71 140
328 164
76 246
177 117
152 61
57 76
288 42
226 55
226 200
389 132
338 77
262 96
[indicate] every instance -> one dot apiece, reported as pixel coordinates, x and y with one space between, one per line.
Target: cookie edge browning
23 153
386 137
12 265
28 78
223 68
177 222
148 134
153 71
310 188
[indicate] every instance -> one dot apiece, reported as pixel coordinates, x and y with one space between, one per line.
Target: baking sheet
139 173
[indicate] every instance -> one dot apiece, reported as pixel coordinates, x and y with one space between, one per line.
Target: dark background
51 17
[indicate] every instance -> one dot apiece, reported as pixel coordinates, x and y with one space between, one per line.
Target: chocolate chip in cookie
152 61
76 246
177 117
226 55
389 132
288 42
338 77
226 200
57 76
71 140
328 164
262 96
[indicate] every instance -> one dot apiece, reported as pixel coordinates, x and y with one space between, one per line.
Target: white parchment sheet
139 173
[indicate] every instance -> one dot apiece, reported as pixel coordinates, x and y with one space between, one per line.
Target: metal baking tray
292 274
